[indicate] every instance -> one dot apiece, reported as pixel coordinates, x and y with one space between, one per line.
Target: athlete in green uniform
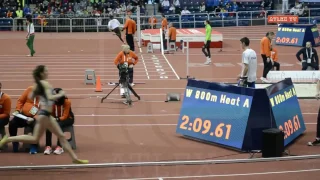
207 42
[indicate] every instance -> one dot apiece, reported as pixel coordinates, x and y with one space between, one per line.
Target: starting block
90 72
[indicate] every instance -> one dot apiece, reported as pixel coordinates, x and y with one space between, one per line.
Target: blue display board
286 110
235 116
297 34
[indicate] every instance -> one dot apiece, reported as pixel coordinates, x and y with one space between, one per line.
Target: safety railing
100 24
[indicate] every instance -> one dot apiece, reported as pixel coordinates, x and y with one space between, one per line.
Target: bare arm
245 71
48 91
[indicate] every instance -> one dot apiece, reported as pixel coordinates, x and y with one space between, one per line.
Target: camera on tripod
124 72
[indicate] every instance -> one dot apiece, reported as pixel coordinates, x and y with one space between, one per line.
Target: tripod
127 88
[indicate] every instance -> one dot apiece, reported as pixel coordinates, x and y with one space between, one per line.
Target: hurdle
185 47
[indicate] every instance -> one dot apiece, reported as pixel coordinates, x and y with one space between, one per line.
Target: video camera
123 71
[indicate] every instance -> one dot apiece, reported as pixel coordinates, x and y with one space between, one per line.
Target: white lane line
227 175
145 67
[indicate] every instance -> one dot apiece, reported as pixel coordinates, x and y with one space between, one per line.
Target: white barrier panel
296 76
302 90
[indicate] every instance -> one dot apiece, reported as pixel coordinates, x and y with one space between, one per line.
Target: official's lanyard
60 112
34 102
308 54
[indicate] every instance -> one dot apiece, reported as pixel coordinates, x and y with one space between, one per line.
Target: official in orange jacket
63 114
28 108
5 108
274 57
129 57
130 27
265 50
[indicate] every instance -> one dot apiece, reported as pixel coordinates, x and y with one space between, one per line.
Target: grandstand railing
100 24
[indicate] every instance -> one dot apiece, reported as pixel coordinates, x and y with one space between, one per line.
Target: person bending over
114 26
129 57
5 108
310 57
64 116
274 58
317 140
43 89
248 75
207 42
130 27
265 50
29 108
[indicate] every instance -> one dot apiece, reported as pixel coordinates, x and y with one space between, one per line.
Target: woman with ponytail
43 90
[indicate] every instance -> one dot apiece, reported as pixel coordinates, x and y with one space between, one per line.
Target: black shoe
315 142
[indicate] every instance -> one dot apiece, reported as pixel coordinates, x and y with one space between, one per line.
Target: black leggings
118 33
318 124
206 47
276 65
267 66
4 122
130 41
16 123
62 124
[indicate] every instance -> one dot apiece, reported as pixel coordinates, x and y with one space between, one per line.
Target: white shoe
132 84
208 61
28 55
58 150
265 80
47 151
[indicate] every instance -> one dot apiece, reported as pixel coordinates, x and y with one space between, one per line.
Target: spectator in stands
28 108
285 6
19 14
90 9
305 11
130 7
234 7
262 13
9 14
165 5
298 9
172 9
217 11
202 7
5 108
274 57
63 114
310 57
153 22
185 11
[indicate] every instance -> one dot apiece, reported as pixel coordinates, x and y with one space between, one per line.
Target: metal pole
138 26
187 58
161 41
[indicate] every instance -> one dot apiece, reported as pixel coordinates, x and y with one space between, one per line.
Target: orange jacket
153 20
130 26
62 112
265 46
131 58
172 33
274 54
5 106
164 23
25 104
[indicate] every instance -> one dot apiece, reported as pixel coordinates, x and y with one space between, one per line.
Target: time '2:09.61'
290 126
287 40
205 127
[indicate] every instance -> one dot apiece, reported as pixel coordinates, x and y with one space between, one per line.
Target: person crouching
63 114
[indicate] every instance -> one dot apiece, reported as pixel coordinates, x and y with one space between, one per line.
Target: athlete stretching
114 26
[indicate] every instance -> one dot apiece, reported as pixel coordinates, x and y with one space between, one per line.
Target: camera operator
126 56
310 57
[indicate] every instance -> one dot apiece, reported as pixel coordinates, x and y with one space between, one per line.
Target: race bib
33 110
309 61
